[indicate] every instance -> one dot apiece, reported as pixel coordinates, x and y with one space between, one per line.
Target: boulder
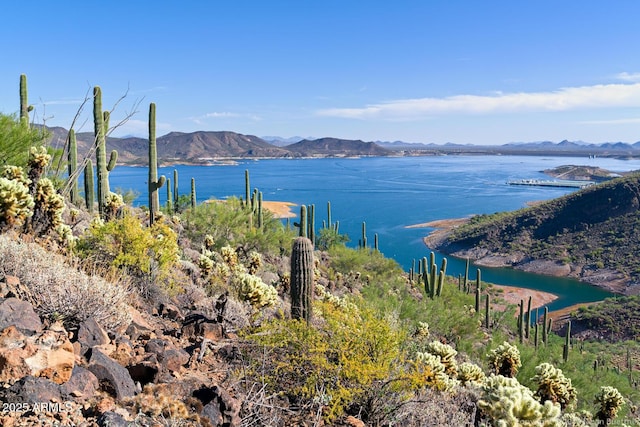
169 357
220 408
82 384
116 377
198 325
30 390
48 354
20 314
90 334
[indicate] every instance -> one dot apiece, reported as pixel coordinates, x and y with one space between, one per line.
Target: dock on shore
551 183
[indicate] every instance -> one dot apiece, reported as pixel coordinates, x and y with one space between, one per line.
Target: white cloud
630 120
564 99
629 77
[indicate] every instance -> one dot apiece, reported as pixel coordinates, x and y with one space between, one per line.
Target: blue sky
471 72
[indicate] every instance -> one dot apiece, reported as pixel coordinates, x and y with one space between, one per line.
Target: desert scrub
58 290
226 222
331 363
127 246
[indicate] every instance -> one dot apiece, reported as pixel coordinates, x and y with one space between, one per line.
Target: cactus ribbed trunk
169 198
24 103
154 183
101 151
260 214
567 343
89 196
303 221
247 188
328 214
72 157
301 278
194 200
175 189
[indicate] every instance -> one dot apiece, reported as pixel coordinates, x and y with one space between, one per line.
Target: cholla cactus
447 355
470 373
504 360
252 289
205 264
38 160
422 330
48 208
112 205
255 262
610 401
209 242
229 255
16 204
506 402
553 385
430 372
15 173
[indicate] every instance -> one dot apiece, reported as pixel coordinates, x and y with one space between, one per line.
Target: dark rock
174 358
112 376
170 311
21 314
112 419
198 325
220 408
156 346
90 334
30 390
82 384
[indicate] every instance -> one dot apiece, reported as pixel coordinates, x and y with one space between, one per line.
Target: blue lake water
391 193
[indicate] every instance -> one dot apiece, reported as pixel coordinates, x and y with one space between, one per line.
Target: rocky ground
167 364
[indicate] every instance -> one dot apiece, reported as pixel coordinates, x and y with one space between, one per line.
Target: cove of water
392 193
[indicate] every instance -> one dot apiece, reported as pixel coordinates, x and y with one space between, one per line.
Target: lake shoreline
607 280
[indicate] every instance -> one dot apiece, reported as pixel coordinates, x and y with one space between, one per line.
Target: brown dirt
280 209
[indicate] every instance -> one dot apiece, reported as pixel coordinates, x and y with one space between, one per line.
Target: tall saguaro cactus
72 158
155 183
301 278
24 104
247 188
89 195
101 150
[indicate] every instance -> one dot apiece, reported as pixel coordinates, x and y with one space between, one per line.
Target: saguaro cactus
567 343
169 197
24 104
175 189
101 150
194 201
301 278
247 188
89 195
303 221
72 158
155 183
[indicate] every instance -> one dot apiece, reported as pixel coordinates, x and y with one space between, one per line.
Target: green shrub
333 364
126 245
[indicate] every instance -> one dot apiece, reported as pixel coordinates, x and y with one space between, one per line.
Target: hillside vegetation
592 234
218 314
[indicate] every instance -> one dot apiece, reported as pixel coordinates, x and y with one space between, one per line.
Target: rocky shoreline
609 280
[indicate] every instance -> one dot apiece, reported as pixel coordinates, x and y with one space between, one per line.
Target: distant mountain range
202 147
